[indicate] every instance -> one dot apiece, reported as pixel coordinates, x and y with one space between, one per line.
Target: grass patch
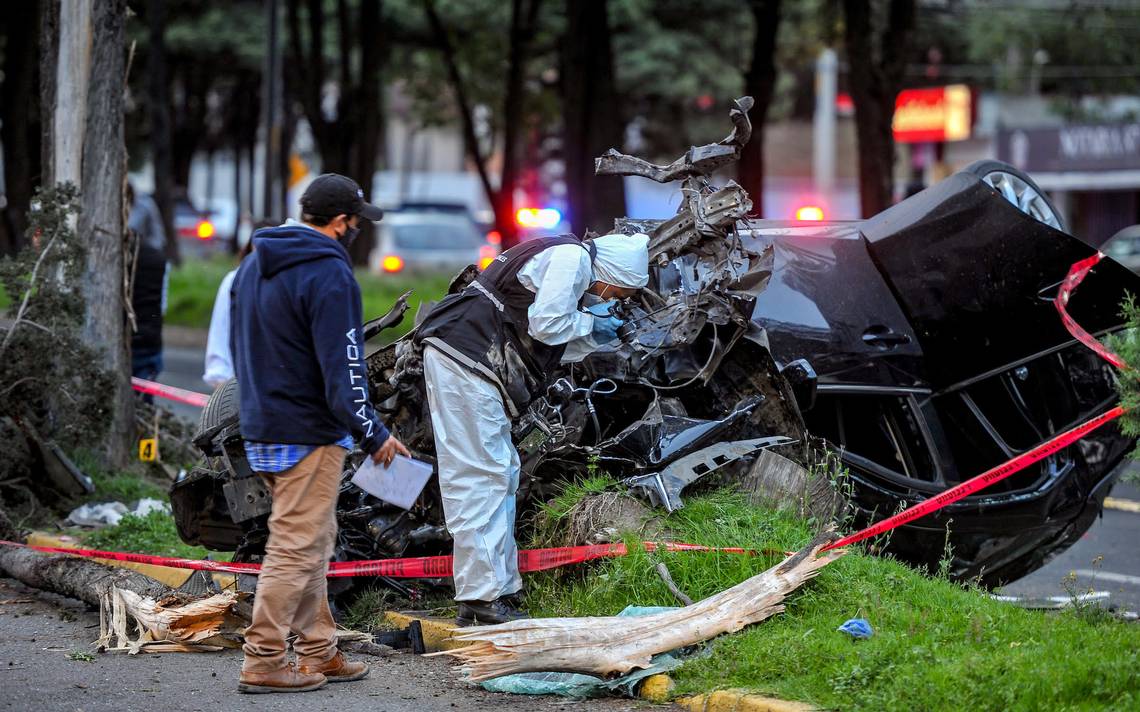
366 612
153 534
194 285
120 486
937 644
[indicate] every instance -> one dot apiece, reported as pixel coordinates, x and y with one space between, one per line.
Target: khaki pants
292 591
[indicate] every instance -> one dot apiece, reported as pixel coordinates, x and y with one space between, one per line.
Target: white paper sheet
399 484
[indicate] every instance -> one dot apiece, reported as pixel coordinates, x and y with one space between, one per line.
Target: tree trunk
349 143
760 84
81 579
363 169
591 116
20 131
505 224
877 62
69 23
523 16
158 106
101 216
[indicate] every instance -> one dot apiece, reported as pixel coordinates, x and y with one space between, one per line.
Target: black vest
484 326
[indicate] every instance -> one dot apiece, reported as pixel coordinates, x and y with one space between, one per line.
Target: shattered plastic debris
857 628
108 514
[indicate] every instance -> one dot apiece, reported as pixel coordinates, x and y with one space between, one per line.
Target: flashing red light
809 212
486 256
495 237
205 230
543 218
392 263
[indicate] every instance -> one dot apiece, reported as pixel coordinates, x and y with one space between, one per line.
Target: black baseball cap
331 194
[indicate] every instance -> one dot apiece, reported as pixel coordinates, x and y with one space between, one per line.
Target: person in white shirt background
219 359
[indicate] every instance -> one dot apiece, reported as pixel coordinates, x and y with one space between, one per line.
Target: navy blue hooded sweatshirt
295 329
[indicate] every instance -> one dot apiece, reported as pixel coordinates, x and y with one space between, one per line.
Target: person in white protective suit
487 351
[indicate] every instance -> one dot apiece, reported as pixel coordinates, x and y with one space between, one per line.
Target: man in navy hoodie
299 356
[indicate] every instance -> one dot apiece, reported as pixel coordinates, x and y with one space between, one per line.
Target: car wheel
1019 189
221 411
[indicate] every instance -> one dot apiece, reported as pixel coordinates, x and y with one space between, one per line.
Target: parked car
1124 247
429 238
197 233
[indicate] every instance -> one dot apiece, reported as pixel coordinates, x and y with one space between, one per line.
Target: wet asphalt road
38 631
1107 557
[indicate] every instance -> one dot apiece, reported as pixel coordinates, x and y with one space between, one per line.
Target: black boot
488 612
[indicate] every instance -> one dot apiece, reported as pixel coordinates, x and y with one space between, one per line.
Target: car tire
1019 189
221 411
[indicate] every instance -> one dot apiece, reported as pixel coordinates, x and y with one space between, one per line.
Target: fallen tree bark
81 579
616 645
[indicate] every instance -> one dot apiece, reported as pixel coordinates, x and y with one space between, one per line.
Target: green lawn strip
937 645
153 534
193 286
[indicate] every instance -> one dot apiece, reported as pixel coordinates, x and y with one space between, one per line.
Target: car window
437 234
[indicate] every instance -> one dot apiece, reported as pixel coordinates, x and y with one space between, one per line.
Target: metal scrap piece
664 488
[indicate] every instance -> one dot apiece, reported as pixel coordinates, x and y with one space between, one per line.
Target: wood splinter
608 646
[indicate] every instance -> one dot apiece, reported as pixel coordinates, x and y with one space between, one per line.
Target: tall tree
19 114
84 74
760 84
158 111
523 25
341 99
592 115
877 52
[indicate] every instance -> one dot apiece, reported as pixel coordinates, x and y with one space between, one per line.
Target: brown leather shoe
338 669
287 679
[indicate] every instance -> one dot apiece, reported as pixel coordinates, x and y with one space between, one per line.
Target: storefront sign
1106 147
933 114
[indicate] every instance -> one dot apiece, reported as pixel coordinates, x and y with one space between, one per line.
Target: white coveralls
478 464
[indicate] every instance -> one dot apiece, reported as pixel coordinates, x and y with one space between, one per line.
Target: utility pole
823 130
271 204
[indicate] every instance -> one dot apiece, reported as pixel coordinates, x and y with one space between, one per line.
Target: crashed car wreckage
921 344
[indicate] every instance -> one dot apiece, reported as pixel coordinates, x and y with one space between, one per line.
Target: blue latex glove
601 308
857 628
605 324
605 329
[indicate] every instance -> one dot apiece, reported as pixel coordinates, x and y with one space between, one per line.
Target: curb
737 701
436 631
163 574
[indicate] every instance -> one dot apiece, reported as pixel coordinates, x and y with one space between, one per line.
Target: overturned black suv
922 344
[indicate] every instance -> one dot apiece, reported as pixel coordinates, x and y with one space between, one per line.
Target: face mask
350 234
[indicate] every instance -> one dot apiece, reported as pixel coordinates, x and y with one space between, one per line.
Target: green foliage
50 379
194 285
118 486
937 645
1126 344
366 612
1077 40
153 534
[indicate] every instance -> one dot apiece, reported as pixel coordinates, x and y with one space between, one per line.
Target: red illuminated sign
933 114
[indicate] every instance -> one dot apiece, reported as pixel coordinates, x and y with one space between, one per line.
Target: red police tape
180 395
1076 274
541 559
419 567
